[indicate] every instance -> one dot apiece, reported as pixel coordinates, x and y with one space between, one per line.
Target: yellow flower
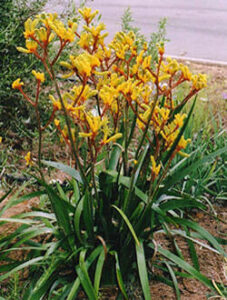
17 84
72 25
0 139
87 14
56 122
85 40
56 103
112 138
30 45
39 76
155 168
84 63
30 27
187 75
63 33
108 95
28 159
79 94
95 31
42 34
84 134
161 49
199 81
171 67
179 119
146 62
183 143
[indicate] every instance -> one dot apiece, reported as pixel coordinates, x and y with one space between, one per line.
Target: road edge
201 61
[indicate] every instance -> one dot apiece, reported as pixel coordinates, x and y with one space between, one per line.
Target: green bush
13 14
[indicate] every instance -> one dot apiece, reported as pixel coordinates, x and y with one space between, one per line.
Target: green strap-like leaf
185 266
182 172
88 214
21 266
14 200
172 274
203 233
64 168
181 203
98 271
5 195
192 250
119 277
125 218
44 282
141 263
75 287
84 278
77 217
15 220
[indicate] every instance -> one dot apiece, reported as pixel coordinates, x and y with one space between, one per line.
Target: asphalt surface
195 28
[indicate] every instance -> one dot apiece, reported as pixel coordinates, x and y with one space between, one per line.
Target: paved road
196 28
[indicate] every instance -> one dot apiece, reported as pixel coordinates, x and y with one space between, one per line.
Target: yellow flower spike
72 25
56 103
139 58
17 84
66 64
63 33
30 45
155 168
147 62
0 139
28 159
183 143
164 77
85 40
42 34
95 31
183 154
107 52
47 18
179 119
56 122
199 81
164 112
39 76
108 95
85 63
112 138
171 67
87 15
161 49
81 93
146 94
84 134
187 75
30 26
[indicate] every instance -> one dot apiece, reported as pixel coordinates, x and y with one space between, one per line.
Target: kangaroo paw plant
115 110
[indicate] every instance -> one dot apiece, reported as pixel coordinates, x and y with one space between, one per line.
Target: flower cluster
112 82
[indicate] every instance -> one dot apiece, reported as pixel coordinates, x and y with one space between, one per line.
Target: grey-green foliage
127 24
156 38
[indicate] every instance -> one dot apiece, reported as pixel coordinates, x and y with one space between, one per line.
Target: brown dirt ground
211 264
